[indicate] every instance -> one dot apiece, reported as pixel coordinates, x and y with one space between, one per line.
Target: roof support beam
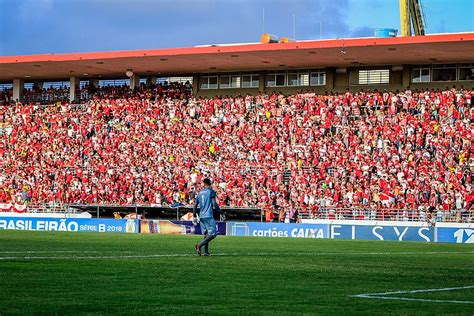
74 89
134 81
196 83
18 86
151 80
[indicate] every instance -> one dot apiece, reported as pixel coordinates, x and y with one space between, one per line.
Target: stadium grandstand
364 128
288 176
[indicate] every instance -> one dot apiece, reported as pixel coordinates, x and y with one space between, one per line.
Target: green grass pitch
82 273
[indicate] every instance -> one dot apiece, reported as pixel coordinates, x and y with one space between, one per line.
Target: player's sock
206 246
206 241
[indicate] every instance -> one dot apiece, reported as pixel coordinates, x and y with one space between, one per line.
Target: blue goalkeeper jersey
206 199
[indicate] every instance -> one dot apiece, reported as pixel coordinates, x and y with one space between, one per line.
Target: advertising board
461 233
70 224
165 227
257 229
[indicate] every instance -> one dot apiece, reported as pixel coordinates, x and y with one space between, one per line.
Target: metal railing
356 214
406 215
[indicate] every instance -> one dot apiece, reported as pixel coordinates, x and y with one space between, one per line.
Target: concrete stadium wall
231 92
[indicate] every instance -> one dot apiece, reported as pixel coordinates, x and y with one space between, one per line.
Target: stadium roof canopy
442 48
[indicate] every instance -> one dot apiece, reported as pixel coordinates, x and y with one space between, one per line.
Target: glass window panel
225 82
271 80
213 82
303 79
444 74
280 80
363 77
204 83
246 81
292 79
421 74
425 75
317 78
378 76
314 80
235 82
255 81
322 79
466 73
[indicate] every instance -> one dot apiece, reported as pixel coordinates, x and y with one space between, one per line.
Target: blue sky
61 26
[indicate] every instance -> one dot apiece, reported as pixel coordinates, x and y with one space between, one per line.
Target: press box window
298 78
227 81
56 84
420 74
6 86
250 81
209 82
466 72
180 79
276 79
317 78
370 77
444 72
114 83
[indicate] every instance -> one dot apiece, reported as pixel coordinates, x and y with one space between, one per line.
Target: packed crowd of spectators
6 96
49 95
45 96
309 152
173 90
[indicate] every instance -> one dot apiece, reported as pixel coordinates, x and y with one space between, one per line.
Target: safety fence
386 214
177 212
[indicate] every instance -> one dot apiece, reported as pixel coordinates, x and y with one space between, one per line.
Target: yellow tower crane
411 13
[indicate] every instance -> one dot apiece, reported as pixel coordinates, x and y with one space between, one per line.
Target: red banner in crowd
19 208
7 207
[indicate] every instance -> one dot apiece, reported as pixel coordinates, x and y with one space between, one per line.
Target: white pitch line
383 295
48 251
423 291
261 254
99 257
414 299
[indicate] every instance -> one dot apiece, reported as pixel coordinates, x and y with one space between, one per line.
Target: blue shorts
208 225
